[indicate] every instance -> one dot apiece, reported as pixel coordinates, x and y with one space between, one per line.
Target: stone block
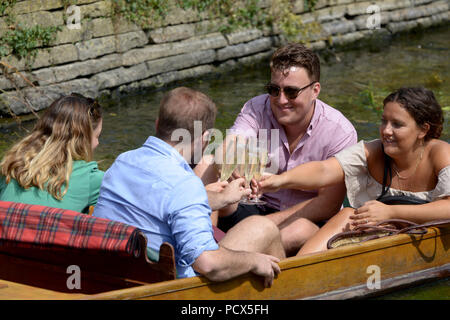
96 9
395 27
256 58
63 54
43 59
339 27
243 36
44 76
362 22
338 2
42 18
20 80
179 62
244 49
127 41
389 5
150 52
85 68
122 25
29 6
116 77
67 35
181 32
299 7
345 39
96 47
171 76
316 45
101 27
3 27
156 51
330 13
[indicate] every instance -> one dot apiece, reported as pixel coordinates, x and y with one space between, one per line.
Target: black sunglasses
290 92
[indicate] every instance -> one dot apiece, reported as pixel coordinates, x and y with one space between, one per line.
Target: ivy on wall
234 14
20 41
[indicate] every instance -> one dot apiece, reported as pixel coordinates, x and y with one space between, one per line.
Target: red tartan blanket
39 225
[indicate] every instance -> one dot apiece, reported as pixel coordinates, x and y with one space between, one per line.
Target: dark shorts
243 211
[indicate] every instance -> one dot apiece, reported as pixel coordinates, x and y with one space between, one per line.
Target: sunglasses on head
289 92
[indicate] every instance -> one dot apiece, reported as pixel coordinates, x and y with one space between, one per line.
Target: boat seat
67 251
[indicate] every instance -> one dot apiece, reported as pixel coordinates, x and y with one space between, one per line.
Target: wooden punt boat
340 273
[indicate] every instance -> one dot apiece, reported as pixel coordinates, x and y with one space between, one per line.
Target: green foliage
23 42
310 4
234 14
144 13
5 4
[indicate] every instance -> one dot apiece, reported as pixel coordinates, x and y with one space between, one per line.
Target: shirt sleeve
342 139
95 181
354 163
443 186
190 221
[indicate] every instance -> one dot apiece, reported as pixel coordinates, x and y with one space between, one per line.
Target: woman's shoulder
89 169
373 149
439 152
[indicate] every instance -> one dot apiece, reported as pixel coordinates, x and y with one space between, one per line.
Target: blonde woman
53 165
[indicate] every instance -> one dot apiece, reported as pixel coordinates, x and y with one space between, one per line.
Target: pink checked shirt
328 133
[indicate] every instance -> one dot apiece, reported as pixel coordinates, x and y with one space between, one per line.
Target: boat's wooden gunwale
170 289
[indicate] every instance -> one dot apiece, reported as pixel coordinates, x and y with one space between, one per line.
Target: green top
84 188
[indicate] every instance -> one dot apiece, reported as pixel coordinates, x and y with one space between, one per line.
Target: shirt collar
166 149
318 110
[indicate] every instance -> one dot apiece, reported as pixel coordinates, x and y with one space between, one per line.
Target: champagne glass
261 158
228 158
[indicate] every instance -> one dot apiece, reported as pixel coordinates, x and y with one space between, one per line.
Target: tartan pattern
36 225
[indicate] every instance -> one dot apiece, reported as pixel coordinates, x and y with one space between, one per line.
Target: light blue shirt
154 189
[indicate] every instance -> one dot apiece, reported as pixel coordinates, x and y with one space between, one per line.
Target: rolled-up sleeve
190 221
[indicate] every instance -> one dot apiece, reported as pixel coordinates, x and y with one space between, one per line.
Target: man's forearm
224 264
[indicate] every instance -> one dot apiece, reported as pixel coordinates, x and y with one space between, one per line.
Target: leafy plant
23 42
5 4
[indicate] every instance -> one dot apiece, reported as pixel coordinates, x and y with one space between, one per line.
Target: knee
299 231
264 225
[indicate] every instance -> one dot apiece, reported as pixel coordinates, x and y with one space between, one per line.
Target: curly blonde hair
44 158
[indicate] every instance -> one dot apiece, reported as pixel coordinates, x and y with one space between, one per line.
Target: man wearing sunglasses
308 130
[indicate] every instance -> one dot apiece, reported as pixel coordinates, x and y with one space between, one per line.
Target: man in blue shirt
155 189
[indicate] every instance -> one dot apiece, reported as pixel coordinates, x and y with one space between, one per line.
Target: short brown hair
179 109
422 105
296 55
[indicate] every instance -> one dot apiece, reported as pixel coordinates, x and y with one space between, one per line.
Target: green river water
355 81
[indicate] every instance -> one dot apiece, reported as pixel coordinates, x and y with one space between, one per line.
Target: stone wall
107 55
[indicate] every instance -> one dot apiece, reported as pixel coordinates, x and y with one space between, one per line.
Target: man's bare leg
255 234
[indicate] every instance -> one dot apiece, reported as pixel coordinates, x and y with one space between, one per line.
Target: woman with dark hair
53 165
407 161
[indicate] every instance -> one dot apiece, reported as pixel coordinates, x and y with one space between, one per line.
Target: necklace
415 169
